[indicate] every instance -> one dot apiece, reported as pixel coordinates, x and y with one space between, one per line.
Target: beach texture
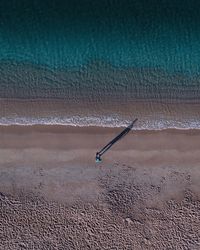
72 74
144 195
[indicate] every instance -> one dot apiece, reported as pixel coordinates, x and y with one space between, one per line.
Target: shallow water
99 58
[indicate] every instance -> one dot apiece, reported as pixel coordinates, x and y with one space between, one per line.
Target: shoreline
151 115
72 128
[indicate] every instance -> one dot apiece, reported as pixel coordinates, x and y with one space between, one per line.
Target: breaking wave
104 121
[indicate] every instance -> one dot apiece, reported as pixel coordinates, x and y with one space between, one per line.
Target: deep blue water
139 33
100 50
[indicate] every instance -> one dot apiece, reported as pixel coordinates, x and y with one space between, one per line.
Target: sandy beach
73 75
143 195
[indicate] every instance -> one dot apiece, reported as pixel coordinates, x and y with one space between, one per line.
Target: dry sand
144 195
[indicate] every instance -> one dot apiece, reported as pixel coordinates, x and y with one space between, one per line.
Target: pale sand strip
59 161
179 147
144 195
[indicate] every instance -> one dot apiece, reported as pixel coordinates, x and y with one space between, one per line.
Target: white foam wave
104 121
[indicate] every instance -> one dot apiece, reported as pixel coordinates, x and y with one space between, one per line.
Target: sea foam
104 121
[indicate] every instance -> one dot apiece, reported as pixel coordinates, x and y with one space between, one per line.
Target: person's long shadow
118 137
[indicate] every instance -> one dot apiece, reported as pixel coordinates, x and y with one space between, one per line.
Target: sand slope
144 195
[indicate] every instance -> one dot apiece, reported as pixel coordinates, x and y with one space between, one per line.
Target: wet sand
144 195
151 114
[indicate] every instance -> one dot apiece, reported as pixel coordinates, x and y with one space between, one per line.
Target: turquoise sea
98 62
